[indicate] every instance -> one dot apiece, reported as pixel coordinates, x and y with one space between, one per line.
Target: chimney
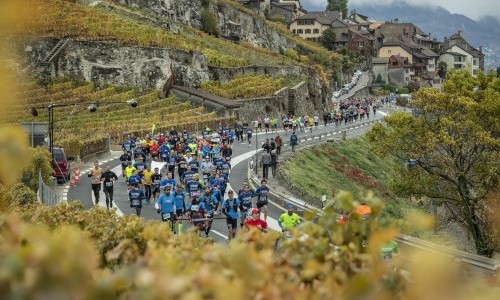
460 32
481 49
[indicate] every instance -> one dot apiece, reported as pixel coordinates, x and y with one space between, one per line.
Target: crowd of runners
185 177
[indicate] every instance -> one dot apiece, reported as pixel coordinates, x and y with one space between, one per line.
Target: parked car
337 94
60 164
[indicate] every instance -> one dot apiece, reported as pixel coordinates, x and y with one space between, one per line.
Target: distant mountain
441 23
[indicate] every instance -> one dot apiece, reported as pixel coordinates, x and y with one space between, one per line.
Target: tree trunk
484 245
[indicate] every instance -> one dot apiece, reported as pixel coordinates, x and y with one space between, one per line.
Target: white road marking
219 234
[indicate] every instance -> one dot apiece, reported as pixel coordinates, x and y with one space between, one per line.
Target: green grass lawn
349 166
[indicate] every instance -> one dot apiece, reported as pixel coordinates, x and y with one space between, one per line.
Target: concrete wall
397 77
274 107
303 103
388 51
382 70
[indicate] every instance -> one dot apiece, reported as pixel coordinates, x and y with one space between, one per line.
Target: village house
459 54
286 10
311 25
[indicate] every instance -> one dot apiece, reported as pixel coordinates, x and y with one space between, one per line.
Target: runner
135 196
135 179
169 181
155 184
96 173
245 196
262 194
165 205
125 159
108 178
147 180
255 221
230 208
196 213
289 220
211 204
249 136
129 171
180 206
294 141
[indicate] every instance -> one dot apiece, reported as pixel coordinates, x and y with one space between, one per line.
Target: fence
45 193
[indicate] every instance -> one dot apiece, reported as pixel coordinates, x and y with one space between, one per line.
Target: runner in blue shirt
164 151
169 181
180 204
262 194
135 196
194 185
165 205
245 198
187 175
230 208
135 179
211 204
196 211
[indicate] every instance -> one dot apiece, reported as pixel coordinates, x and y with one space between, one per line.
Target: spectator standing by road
279 142
274 162
96 173
108 178
265 161
294 141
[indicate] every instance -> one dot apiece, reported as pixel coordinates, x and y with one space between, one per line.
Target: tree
327 39
454 147
338 5
442 69
209 23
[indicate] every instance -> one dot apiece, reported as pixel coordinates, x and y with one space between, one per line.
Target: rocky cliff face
231 21
103 62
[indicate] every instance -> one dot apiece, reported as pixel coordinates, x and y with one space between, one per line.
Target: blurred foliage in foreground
66 252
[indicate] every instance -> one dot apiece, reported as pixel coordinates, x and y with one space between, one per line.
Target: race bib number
96 178
166 216
136 202
109 183
195 207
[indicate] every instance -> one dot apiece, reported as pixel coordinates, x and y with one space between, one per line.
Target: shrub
209 23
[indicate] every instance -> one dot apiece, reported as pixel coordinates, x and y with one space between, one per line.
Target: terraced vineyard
117 119
246 87
62 18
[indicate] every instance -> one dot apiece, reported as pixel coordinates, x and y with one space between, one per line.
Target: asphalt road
241 153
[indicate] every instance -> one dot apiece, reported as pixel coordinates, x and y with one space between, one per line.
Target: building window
316 31
344 35
457 58
300 31
361 44
308 31
474 72
389 51
457 66
406 79
475 62
305 22
294 31
412 77
431 66
412 70
407 71
394 63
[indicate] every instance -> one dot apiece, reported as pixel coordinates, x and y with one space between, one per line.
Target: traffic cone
72 181
77 174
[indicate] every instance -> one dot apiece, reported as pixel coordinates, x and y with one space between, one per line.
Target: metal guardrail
480 264
46 194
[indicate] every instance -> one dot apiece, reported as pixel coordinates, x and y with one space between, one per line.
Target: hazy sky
470 8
